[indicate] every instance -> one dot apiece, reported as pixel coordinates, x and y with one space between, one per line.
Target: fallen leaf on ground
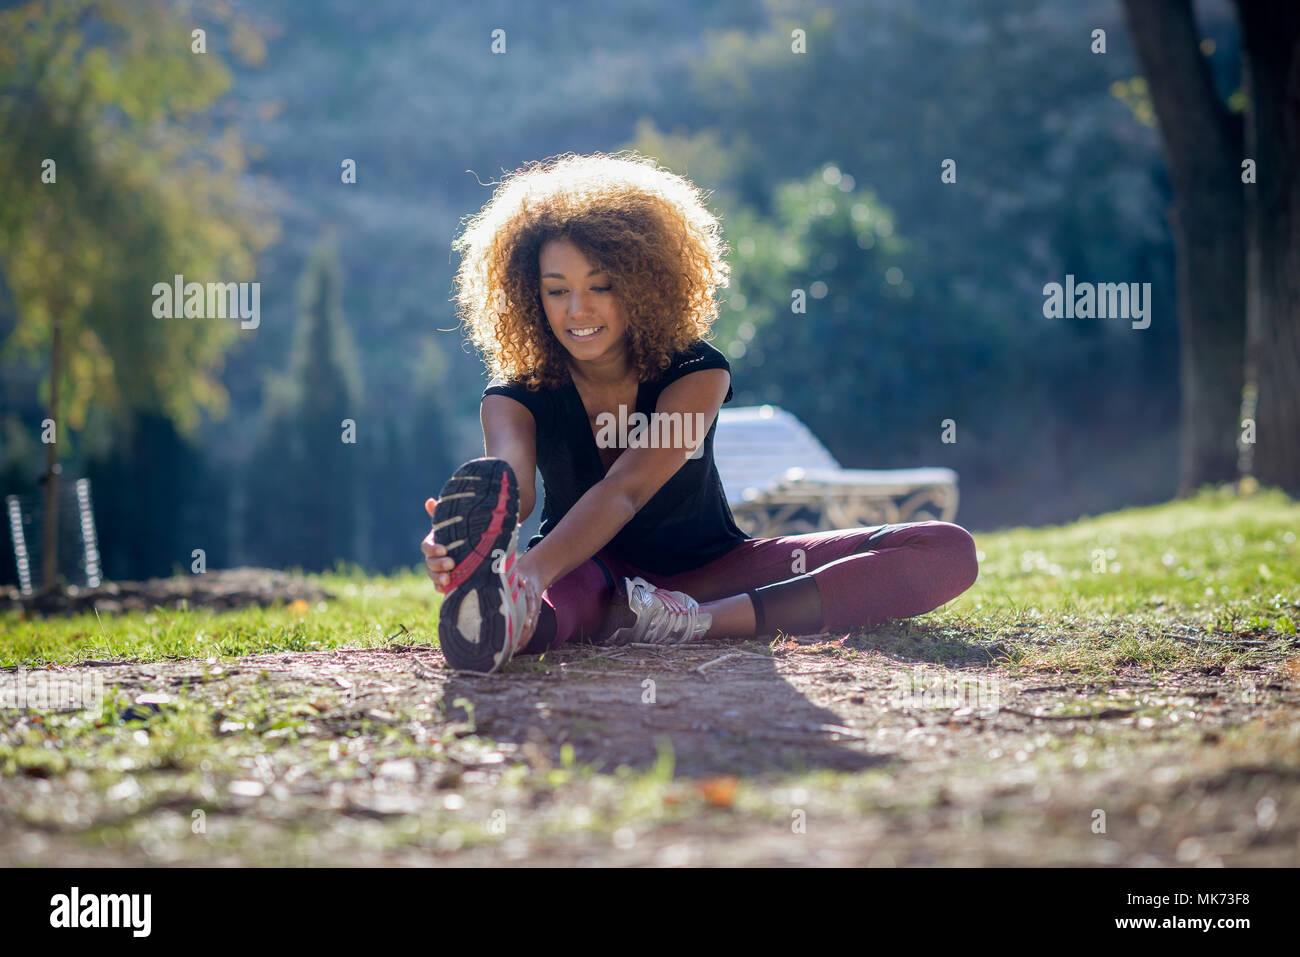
720 792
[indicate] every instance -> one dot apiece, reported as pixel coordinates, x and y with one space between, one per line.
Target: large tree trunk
1202 147
1271 51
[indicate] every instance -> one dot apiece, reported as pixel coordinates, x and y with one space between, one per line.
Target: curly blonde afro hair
643 224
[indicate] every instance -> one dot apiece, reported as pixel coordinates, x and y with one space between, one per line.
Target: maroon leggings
800 584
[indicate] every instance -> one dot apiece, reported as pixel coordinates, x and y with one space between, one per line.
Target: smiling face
581 307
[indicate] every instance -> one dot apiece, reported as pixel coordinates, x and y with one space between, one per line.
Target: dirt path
840 754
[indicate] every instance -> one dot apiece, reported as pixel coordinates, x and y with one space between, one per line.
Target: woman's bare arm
510 433
636 475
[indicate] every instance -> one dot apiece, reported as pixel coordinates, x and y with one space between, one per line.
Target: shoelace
516 615
670 619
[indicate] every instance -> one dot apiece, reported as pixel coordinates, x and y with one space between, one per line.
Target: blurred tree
415 455
113 182
1239 250
1203 150
822 317
1049 175
157 516
304 483
1270 35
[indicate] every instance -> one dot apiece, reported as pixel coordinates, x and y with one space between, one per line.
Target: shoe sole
476 520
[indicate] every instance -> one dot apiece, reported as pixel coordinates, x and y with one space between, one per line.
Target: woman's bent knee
960 556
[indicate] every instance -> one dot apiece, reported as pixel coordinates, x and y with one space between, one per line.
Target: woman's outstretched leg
847 578
898 572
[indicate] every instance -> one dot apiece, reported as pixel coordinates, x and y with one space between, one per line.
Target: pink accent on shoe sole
484 546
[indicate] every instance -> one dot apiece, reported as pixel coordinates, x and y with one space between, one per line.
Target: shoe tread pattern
471 495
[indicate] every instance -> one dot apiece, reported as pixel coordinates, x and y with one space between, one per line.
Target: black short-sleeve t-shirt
684 525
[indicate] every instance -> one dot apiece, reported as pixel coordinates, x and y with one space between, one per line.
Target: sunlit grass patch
1095 594
365 613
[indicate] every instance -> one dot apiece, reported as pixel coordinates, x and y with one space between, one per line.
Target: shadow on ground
721 709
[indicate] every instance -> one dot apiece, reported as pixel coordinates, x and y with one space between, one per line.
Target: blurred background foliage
924 299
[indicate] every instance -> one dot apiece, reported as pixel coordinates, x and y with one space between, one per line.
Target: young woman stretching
587 282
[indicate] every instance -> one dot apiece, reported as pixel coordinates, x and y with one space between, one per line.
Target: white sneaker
663 617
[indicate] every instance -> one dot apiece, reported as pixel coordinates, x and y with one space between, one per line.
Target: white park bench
780 480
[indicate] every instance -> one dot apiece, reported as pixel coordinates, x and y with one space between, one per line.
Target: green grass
1238 556
1084 599
1128 588
1227 566
366 613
